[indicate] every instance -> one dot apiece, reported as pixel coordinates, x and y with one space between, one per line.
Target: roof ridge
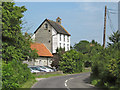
59 25
64 29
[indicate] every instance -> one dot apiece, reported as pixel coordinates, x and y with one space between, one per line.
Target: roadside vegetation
104 62
33 80
15 47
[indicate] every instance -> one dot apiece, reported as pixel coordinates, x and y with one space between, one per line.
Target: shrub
71 62
14 73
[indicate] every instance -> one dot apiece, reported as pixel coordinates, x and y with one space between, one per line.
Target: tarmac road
67 82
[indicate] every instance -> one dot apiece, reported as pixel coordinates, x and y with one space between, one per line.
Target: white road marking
68 80
74 78
66 84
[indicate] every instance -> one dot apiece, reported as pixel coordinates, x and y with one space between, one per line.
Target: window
64 45
64 38
60 45
46 26
67 46
39 61
60 37
49 41
67 38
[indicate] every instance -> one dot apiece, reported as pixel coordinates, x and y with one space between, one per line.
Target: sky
83 20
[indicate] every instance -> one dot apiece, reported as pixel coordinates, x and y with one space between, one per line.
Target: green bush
71 62
106 64
14 74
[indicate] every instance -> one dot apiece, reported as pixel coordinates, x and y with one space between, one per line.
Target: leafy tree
71 62
106 63
82 46
57 57
115 37
89 49
15 47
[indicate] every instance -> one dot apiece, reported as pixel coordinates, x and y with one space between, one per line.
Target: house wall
44 35
62 41
33 37
54 40
42 61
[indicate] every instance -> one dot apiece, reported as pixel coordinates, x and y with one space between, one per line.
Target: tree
82 46
71 62
106 63
57 57
15 44
15 47
115 37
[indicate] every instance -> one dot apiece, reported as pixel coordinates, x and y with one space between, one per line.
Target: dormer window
46 26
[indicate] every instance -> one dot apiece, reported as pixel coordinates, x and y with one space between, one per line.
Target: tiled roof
59 28
41 49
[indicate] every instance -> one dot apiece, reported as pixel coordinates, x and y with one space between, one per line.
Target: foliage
71 62
106 63
82 46
14 73
88 49
57 57
115 37
29 83
15 46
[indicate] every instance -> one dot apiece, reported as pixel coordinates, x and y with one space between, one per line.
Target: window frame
64 38
67 38
60 37
46 26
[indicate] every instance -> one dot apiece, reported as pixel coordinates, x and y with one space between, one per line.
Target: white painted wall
54 40
66 42
43 61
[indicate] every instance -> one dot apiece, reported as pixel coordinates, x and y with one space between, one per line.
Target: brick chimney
58 20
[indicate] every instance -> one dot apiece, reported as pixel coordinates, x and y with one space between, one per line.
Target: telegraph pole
104 27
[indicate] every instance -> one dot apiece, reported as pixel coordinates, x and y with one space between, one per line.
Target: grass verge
29 83
49 75
87 70
32 80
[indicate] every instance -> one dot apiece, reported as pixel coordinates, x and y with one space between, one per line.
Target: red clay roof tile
41 49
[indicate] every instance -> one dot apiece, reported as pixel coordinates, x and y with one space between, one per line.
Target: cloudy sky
83 20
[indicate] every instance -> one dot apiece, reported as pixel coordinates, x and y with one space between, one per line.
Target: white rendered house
53 35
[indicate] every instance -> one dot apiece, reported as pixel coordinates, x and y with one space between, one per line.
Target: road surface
67 82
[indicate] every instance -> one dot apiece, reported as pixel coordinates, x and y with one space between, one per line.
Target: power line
112 11
110 21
